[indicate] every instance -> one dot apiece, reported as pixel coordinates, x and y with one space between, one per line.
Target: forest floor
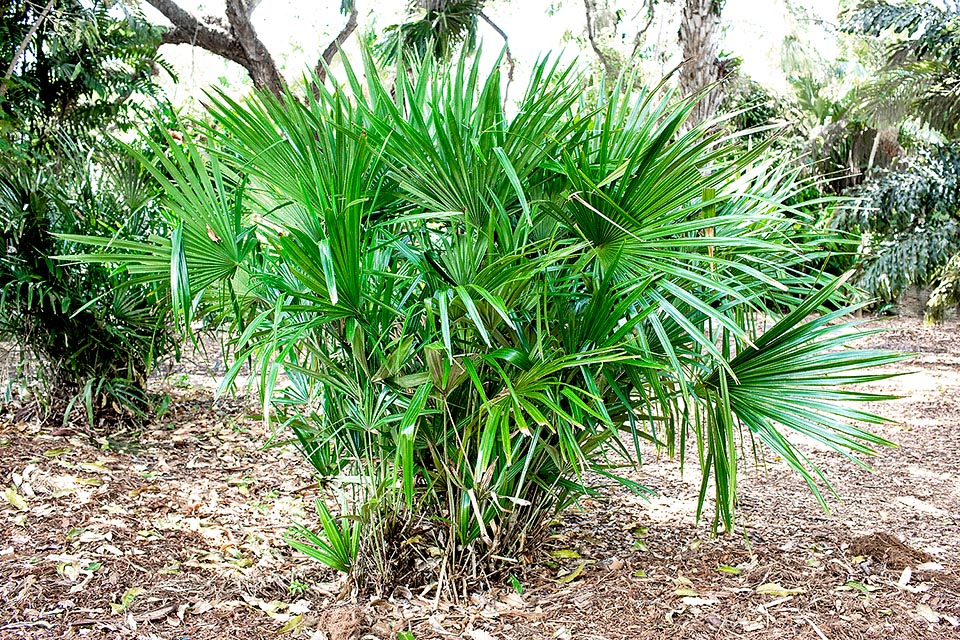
179 535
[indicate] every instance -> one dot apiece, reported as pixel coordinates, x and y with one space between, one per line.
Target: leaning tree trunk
700 39
259 63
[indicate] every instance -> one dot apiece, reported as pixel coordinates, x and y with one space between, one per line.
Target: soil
178 533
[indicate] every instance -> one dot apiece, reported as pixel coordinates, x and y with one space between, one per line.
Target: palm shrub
85 336
469 316
438 26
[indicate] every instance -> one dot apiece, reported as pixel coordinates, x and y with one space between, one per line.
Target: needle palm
469 315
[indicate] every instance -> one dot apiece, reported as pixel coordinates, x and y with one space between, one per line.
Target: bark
260 64
332 48
595 22
237 40
700 39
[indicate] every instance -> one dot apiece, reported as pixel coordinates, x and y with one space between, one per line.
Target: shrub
87 336
77 66
470 316
910 220
75 71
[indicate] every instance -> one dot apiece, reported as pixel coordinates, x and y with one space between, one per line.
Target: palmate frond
211 236
434 27
451 146
636 190
792 377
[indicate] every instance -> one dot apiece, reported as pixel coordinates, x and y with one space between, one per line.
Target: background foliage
908 211
82 64
86 335
910 218
919 77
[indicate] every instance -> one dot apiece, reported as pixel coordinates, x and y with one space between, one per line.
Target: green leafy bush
82 67
471 316
86 335
909 212
910 221
918 78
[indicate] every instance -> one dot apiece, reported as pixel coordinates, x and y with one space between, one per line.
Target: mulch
177 532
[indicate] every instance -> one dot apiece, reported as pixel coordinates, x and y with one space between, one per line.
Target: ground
179 534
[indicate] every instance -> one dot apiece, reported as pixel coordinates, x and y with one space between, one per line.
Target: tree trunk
23 47
601 21
260 64
700 39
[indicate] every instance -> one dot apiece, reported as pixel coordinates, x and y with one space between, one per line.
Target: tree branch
241 45
189 30
590 6
506 44
175 14
208 39
23 47
321 69
638 39
263 70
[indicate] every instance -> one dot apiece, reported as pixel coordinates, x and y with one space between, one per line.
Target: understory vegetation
77 336
908 211
86 336
910 221
470 316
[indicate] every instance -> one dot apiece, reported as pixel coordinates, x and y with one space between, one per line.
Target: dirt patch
888 551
